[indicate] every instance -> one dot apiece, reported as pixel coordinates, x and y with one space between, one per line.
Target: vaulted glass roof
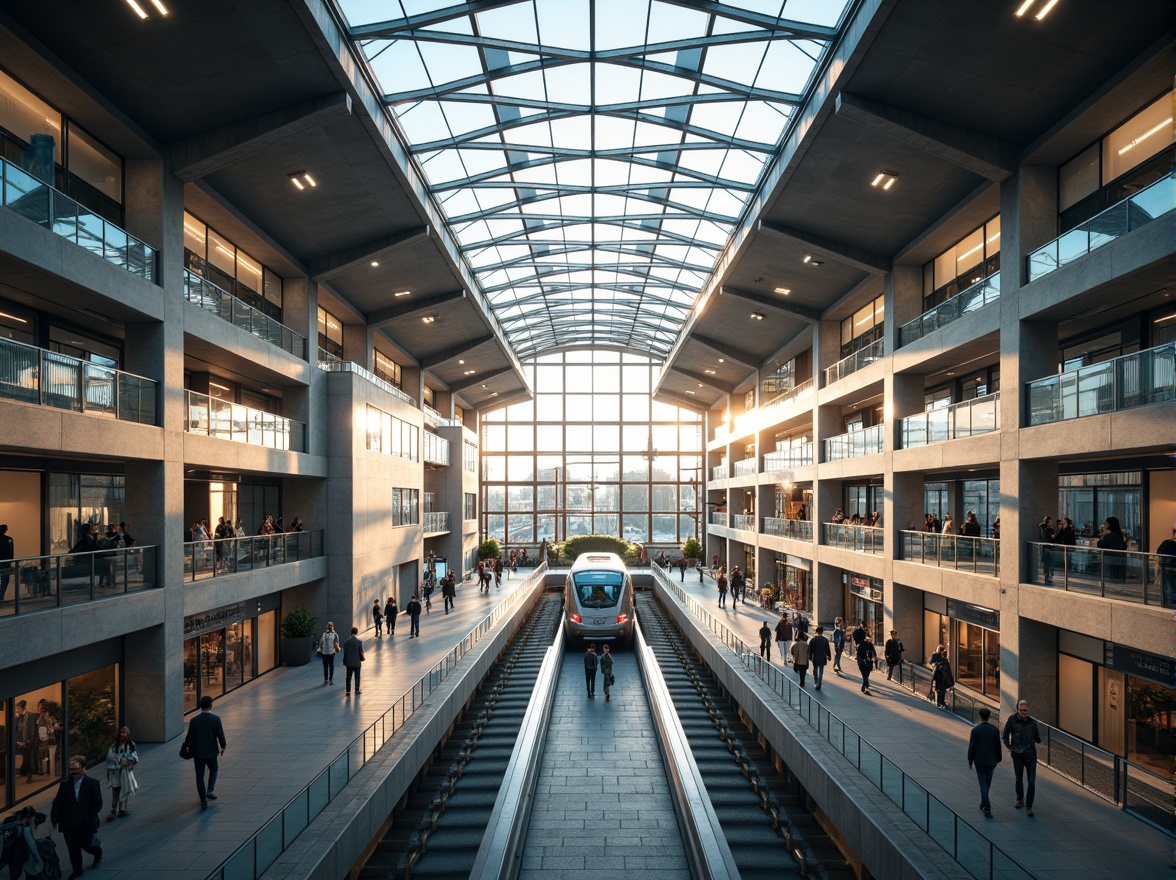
593 157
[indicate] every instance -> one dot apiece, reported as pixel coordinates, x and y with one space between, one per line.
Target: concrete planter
297 651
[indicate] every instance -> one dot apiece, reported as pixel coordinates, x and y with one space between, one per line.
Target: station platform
285 729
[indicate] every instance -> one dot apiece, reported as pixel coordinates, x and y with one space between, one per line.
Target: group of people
970 528
855 519
1020 736
36 739
737 584
235 528
1060 532
605 664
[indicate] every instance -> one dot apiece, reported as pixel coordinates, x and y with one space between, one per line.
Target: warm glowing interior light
808 258
429 319
470 372
1045 10
402 293
1145 135
23 321
784 290
306 176
158 4
889 183
1023 8
297 183
967 254
375 263
712 372
138 9
877 180
756 316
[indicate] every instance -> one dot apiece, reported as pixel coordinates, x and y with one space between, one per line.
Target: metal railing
868 441
434 448
967 419
860 539
863 357
437 420
718 519
1137 379
36 200
719 472
242 424
34 375
436 521
802 389
746 467
1145 578
205 295
796 529
255 856
333 364
968 300
800 455
220 556
55 581
980 555
743 521
1148 204
975 853
326 360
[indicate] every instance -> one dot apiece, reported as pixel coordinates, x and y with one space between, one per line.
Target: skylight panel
705 161
719 116
399 62
424 122
823 12
527 86
563 24
612 133
655 86
514 22
620 23
462 118
743 166
534 134
574 132
447 62
760 117
671 22
785 68
738 62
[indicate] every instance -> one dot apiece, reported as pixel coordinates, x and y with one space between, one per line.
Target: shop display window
36 740
93 714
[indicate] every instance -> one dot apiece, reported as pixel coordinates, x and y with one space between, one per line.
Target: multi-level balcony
38 583
35 375
719 472
1116 221
747 467
434 418
1137 379
863 357
434 449
854 444
978 555
222 556
329 363
858 538
1145 578
718 519
800 455
743 521
963 303
795 529
205 295
967 419
771 405
36 200
225 420
436 521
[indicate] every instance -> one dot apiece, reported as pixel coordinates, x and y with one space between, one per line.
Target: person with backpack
738 582
893 651
838 643
866 657
942 679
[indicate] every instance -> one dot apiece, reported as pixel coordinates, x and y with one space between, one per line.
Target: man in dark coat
75 814
352 658
413 610
985 752
765 634
7 552
893 651
448 590
206 741
590 664
820 653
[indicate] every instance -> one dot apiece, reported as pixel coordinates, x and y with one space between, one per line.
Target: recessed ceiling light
375 263
688 391
814 263
139 9
461 360
722 360
699 384
884 179
23 321
951 372
402 293
784 290
428 319
1028 4
757 316
470 372
302 179
710 372
493 393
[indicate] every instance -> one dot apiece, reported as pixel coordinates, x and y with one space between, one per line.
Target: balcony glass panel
967 419
743 521
221 556
38 583
868 441
967 301
331 364
1137 379
242 424
436 521
979 555
856 361
719 472
800 455
746 467
860 539
1146 578
718 519
203 294
796 529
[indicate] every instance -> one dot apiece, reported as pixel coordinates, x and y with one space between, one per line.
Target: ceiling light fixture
375 263
712 372
885 179
722 360
757 316
784 290
138 9
688 391
808 258
302 179
402 293
429 319
1146 135
470 372
23 321
1028 4
493 393
461 360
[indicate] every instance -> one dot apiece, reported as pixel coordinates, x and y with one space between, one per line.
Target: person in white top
328 648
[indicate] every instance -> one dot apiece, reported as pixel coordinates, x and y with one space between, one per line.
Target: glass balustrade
796 529
221 556
1137 379
743 521
34 375
331 364
437 420
719 473
800 455
718 519
435 449
242 424
1146 578
1116 221
38 583
203 294
963 303
979 555
747 467
436 521
868 441
967 419
860 539
36 200
861 358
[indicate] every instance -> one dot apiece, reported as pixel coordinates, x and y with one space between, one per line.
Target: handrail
436 521
968 418
1140 378
968 300
961 552
1125 575
855 537
434 418
203 294
342 366
962 841
850 364
787 396
743 521
59 579
852 444
718 472
52 209
254 857
800 455
47 378
220 556
796 529
1139 209
242 424
746 467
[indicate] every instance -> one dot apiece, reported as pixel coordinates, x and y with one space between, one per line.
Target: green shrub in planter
691 549
581 544
299 623
489 549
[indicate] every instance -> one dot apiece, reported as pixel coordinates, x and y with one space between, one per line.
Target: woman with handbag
121 759
606 667
328 648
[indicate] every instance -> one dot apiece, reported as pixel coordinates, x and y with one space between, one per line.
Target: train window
599 589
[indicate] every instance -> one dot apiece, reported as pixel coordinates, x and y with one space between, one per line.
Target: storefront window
864 603
93 713
1151 725
267 654
76 499
977 663
36 740
212 647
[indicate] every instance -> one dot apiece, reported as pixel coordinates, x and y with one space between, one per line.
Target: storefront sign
1141 664
974 614
866 587
798 562
215 619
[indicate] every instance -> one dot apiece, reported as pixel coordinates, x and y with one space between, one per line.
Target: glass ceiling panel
630 134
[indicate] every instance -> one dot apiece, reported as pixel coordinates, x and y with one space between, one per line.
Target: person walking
448 591
390 612
784 637
378 617
121 759
819 654
206 742
75 814
328 648
1021 737
352 658
838 643
765 634
590 664
413 610
985 752
7 554
893 651
801 626
738 583
941 678
800 657
866 657
606 668
1046 535
721 581
858 636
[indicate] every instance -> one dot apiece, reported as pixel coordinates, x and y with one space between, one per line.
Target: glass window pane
520 468
36 723
519 438
223 255
635 408
606 407
93 717
27 116
1078 178
549 407
549 438
1140 138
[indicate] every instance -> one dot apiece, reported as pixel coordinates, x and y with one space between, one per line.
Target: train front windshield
599 589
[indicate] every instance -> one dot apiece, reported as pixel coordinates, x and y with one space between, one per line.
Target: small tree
489 549
692 549
299 623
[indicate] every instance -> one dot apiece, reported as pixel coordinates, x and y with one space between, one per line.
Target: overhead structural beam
477 379
810 316
325 268
726 350
725 387
383 316
501 400
981 154
202 154
437 358
683 400
829 249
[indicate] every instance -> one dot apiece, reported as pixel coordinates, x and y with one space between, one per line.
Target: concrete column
904 612
904 397
828 592
300 311
1028 219
903 301
828 349
357 344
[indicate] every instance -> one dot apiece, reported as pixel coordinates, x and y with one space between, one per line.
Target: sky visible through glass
592 157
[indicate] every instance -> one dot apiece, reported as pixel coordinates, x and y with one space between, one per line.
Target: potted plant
298 629
489 549
691 551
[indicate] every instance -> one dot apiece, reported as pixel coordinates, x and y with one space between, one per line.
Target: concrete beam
981 154
493 403
430 361
325 268
681 400
809 316
725 387
471 381
202 154
829 249
726 350
383 316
